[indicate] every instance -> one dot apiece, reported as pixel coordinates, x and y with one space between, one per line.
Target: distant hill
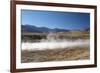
32 28
88 29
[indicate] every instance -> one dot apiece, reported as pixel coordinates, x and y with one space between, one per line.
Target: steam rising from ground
53 42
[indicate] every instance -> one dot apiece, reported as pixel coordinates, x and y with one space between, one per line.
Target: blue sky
56 19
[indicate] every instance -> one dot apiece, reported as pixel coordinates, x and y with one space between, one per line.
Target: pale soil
67 54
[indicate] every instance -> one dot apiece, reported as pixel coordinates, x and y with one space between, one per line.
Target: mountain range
32 28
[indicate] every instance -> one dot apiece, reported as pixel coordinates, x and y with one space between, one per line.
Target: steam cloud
53 42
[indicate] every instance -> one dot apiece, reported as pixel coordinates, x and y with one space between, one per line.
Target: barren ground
76 53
